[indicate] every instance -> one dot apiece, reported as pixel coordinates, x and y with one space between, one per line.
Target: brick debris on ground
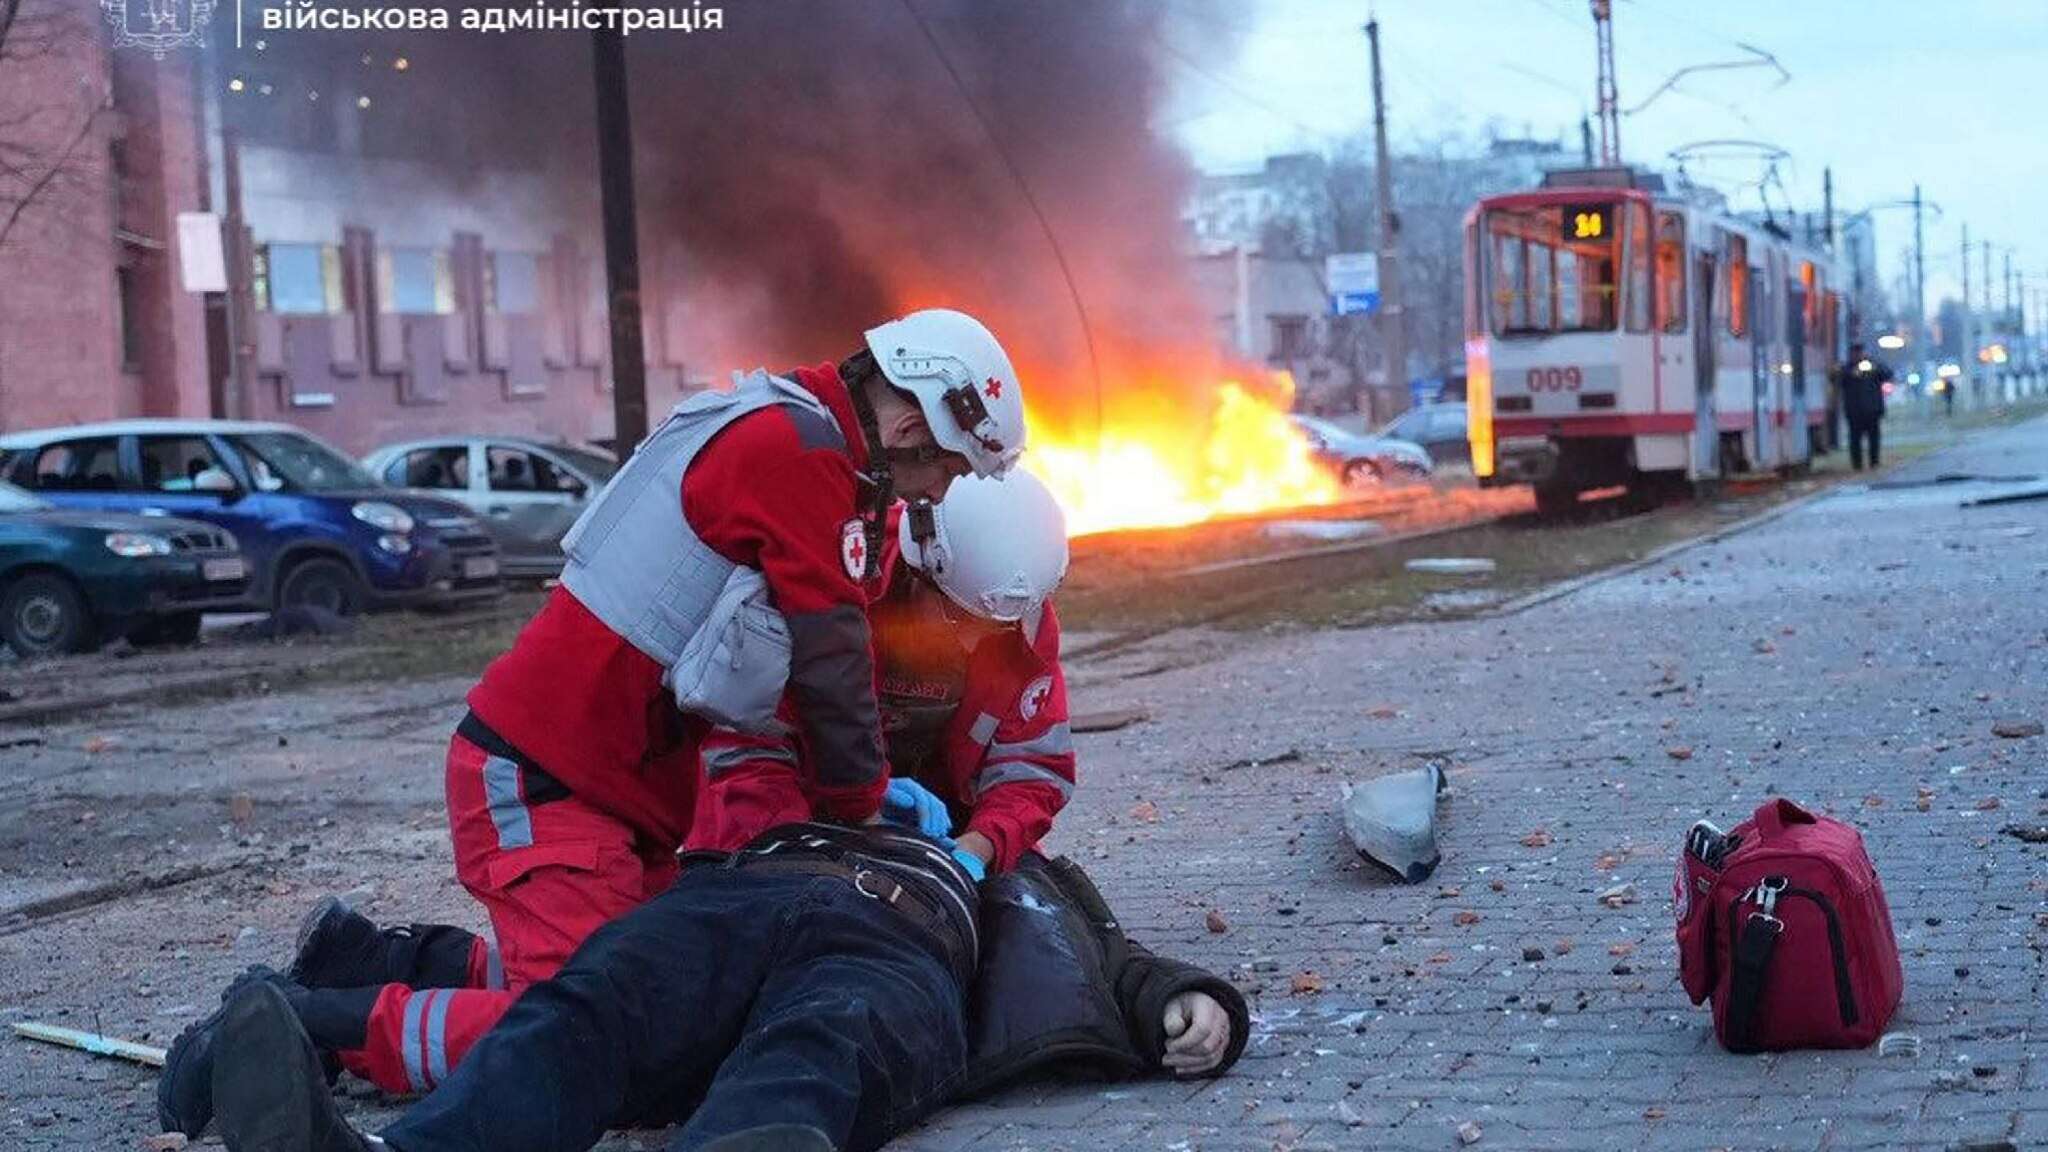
1856 654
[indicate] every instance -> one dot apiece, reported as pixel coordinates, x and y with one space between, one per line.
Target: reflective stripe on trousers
425 1043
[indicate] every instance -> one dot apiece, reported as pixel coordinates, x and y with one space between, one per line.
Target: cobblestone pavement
1854 653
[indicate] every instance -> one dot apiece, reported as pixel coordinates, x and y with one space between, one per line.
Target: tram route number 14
1554 379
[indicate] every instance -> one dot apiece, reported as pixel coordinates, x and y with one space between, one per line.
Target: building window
1290 337
415 280
298 279
131 319
512 282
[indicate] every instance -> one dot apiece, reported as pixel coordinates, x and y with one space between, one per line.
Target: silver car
527 491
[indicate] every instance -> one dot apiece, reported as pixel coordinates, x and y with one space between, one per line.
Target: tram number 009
1554 379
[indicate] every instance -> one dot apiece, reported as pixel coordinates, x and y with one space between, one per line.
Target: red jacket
773 491
1001 752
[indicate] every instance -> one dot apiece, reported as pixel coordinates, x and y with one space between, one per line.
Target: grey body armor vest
634 561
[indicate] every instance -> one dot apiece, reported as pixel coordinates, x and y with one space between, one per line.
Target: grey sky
1949 92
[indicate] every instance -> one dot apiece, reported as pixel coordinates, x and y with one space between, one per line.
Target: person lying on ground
805 994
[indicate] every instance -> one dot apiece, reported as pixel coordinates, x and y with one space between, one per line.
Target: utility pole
621 242
241 296
1393 316
1610 101
2005 308
1991 323
1827 208
1919 284
1967 357
1586 138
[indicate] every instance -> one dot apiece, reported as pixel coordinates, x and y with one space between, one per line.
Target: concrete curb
1559 591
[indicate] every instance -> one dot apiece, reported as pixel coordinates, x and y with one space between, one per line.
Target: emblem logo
158 25
1034 697
853 550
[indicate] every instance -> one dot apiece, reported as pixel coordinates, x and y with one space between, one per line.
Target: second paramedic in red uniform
972 696
723 564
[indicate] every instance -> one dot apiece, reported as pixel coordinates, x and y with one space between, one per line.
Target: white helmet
997 548
963 381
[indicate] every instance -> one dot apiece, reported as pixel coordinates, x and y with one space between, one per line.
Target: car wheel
328 585
1361 473
43 614
181 628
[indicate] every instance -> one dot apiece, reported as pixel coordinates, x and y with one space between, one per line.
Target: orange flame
1158 465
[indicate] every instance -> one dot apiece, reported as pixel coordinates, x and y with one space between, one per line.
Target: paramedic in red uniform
723 564
973 700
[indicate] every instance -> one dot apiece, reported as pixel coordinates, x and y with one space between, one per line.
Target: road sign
1354 281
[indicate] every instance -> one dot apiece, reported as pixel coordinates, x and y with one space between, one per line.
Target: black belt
952 928
540 788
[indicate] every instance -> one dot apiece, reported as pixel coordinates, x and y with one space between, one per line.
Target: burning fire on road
1161 462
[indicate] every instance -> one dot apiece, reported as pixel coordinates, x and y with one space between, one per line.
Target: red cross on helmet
962 380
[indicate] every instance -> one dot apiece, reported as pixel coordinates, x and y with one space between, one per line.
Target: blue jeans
736 999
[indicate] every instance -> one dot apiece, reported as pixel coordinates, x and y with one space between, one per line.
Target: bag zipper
1845 991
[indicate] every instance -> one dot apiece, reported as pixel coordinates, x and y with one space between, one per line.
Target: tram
1620 333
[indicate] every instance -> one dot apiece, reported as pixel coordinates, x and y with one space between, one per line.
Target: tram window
1543 264
1671 275
1738 286
1811 279
1638 300
1540 278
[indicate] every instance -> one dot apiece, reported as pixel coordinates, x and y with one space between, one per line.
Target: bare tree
51 110
1435 184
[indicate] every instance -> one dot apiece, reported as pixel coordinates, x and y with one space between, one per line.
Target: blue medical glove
974 865
914 806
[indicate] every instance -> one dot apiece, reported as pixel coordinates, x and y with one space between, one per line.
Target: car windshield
1402 427
1323 428
291 461
13 499
596 465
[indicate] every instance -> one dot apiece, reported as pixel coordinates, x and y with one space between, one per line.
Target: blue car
315 530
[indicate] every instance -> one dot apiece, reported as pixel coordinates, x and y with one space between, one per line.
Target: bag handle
1772 817
1752 957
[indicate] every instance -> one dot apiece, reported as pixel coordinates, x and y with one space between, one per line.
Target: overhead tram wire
1052 239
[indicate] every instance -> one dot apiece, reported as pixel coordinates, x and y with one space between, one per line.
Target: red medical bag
1784 924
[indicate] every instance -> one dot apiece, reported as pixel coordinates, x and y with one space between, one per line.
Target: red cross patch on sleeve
853 549
1033 698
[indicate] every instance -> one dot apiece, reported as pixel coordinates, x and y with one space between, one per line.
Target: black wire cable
1023 186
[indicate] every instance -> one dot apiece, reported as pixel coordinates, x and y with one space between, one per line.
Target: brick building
407 276
102 151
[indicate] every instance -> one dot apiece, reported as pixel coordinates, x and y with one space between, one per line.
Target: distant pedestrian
1861 382
1948 397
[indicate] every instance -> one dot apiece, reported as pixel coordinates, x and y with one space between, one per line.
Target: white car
527 491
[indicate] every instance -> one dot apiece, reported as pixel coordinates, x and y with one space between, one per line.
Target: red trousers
549 869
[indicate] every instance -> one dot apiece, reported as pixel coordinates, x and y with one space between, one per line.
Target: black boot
268 1083
335 1018
773 1138
341 948
184 1089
